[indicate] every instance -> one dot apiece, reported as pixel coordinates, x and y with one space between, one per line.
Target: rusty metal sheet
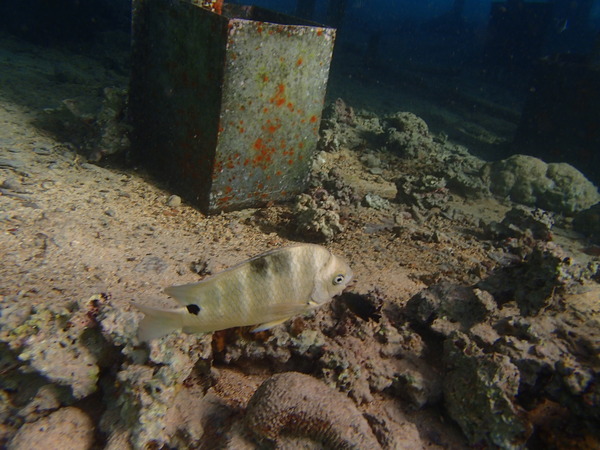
226 107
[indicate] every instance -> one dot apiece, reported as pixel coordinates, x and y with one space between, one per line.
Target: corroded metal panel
227 106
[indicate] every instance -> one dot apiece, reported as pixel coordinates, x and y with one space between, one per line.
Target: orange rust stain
319 32
264 157
290 106
260 186
246 162
300 157
299 62
259 29
278 173
301 144
290 161
242 129
313 119
225 199
264 195
273 128
228 189
279 98
265 78
242 108
265 110
229 165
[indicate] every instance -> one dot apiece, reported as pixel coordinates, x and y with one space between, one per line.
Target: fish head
332 280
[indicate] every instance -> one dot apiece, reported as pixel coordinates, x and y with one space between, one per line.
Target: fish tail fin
186 294
159 322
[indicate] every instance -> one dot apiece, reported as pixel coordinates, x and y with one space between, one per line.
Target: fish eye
338 279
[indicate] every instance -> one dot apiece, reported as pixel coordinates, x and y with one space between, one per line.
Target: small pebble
11 184
110 213
11 163
42 151
174 201
372 161
88 166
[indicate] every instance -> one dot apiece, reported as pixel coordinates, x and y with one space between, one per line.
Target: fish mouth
350 284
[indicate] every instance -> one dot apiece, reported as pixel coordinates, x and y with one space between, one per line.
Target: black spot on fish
193 309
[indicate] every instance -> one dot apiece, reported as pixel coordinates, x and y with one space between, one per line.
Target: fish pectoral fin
268 325
289 309
285 310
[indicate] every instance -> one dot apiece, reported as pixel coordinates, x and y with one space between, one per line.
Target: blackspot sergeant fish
265 291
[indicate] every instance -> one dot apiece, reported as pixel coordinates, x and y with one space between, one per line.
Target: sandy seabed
74 232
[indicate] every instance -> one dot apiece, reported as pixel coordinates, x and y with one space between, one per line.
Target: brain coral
296 404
